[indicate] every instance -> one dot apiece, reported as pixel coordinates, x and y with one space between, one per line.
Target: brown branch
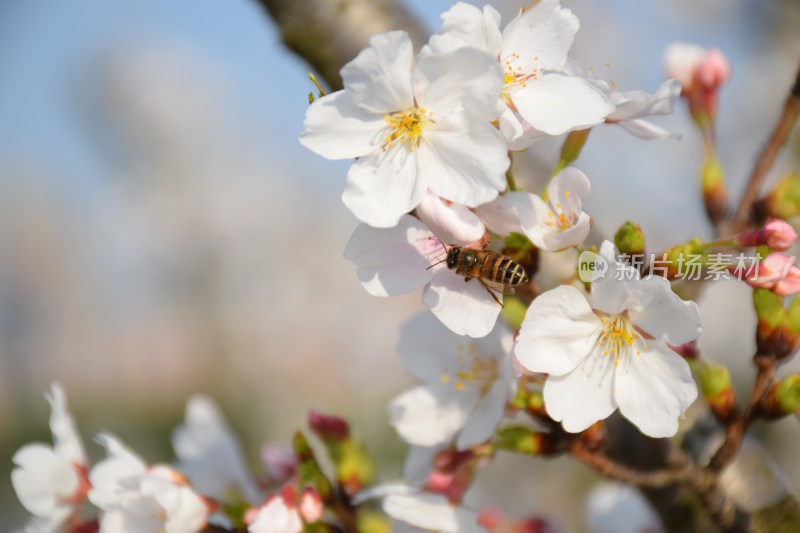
609 468
329 33
791 110
735 433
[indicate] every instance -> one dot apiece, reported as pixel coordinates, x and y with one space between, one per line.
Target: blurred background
162 231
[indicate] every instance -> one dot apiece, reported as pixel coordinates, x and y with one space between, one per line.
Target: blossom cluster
432 136
57 484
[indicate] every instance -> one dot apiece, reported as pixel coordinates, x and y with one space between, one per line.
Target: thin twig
735 433
791 110
606 466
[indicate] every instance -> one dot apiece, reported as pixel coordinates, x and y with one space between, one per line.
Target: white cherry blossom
539 96
401 259
559 222
50 481
430 512
279 514
412 128
210 454
467 383
613 353
135 497
618 508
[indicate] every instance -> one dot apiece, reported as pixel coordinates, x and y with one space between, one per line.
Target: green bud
308 470
571 148
372 522
518 439
784 200
514 312
355 469
788 393
769 308
793 315
311 97
629 239
714 379
715 194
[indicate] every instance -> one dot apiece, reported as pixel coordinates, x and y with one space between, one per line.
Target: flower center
514 76
620 336
472 369
556 217
406 127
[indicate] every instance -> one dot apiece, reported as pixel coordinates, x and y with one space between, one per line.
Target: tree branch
329 33
791 110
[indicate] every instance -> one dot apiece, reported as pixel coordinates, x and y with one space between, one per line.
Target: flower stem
791 110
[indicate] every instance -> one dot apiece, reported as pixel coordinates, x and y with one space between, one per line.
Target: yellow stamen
406 127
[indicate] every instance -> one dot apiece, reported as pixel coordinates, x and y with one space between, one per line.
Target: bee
498 273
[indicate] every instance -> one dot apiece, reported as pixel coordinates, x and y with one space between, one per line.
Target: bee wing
497 287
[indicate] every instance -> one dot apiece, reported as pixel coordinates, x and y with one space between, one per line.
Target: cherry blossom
539 96
777 272
467 383
50 481
210 455
617 508
136 497
398 260
412 128
613 353
279 514
559 222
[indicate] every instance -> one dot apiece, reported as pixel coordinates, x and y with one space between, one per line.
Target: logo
591 267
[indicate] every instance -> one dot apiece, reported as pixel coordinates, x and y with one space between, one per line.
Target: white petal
542 36
42 479
504 214
584 396
431 512
610 292
66 440
383 186
432 415
559 331
379 78
466 25
664 315
453 224
618 508
276 517
534 222
474 87
183 511
394 260
336 128
569 187
654 389
210 454
555 241
467 308
681 61
55 522
105 476
637 104
464 161
556 103
428 348
484 420
647 130
419 463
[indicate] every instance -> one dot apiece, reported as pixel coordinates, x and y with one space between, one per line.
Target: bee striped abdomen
503 270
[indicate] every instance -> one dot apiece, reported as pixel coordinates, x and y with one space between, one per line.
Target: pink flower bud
311 505
777 273
779 235
279 461
714 70
330 428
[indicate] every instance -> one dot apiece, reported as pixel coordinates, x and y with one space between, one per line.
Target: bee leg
490 291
